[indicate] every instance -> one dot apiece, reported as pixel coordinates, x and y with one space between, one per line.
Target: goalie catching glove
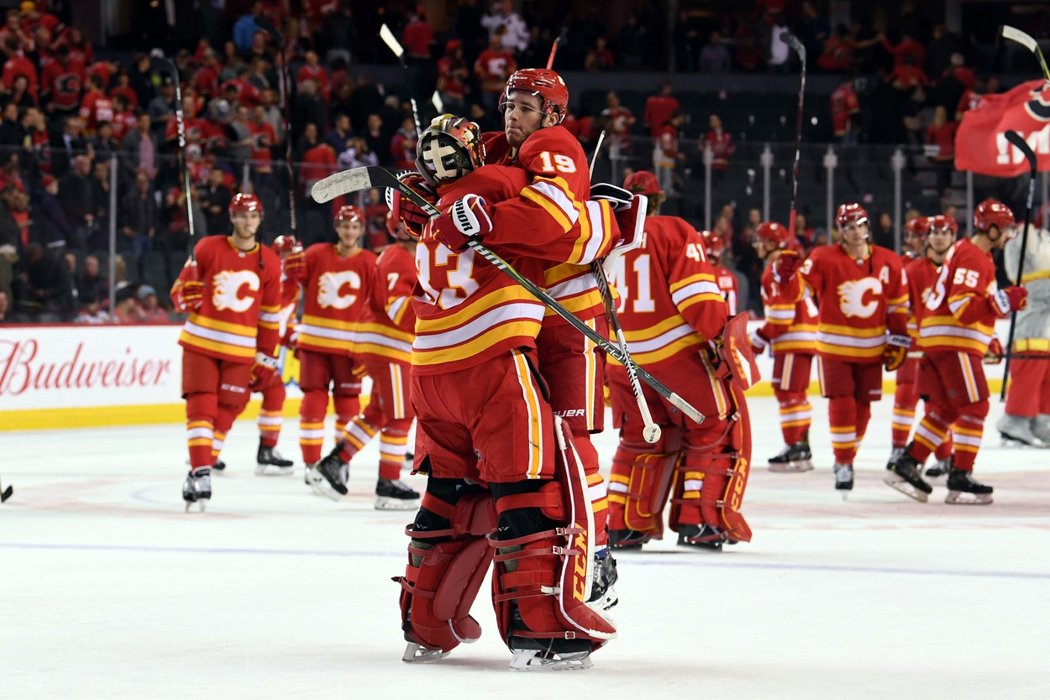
466 219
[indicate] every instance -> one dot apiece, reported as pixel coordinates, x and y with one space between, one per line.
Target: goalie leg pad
640 482
544 559
448 558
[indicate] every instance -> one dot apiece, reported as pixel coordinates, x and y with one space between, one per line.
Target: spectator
308 140
50 220
138 216
629 43
971 98
127 310
720 143
149 305
376 139
76 197
123 89
837 54
67 145
882 234
90 282
339 34
599 57
714 58
452 77
417 37
617 120
162 107
813 29
20 95
908 52
336 138
307 107
90 312
845 105
12 235
43 287
105 144
12 132
515 34
666 155
403 145
660 108
494 65
246 26
941 134
95 105
685 37
18 65
139 150
215 201
61 83
907 75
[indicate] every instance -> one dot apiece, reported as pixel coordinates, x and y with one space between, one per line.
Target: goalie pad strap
548 499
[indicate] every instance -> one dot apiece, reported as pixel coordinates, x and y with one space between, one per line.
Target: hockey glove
759 342
994 354
291 339
1010 299
466 219
406 210
189 295
895 352
295 266
786 265
617 196
263 368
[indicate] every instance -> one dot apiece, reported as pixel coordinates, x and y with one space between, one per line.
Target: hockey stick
367 177
180 125
798 48
1020 144
1027 41
283 83
650 430
6 493
554 51
398 50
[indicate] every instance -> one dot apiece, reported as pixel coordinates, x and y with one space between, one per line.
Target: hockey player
790 331
504 480
674 318
1027 417
861 294
927 241
232 292
954 333
715 249
338 279
384 345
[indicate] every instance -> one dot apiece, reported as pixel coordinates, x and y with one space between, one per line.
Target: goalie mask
449 148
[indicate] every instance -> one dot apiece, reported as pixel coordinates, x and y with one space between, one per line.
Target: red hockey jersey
791 315
388 325
960 313
922 274
670 303
335 298
467 311
726 281
242 298
859 300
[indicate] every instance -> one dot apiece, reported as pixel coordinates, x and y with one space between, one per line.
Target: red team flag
980 142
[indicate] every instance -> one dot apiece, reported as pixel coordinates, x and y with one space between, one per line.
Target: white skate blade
1011 441
417 654
965 498
273 470
387 503
535 660
323 488
895 482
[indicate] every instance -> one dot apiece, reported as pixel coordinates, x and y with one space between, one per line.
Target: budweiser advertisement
980 142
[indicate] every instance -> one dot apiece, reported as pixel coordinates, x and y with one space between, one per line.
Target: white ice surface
109 590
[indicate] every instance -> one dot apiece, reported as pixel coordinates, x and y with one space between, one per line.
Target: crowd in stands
89 136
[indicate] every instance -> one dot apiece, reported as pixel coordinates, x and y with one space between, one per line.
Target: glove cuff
899 341
1002 302
266 360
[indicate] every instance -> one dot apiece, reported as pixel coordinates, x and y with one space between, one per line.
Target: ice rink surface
110 590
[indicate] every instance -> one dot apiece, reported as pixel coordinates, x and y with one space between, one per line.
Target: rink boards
68 376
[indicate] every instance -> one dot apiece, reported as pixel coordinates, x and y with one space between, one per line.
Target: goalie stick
1027 41
798 48
1020 144
371 176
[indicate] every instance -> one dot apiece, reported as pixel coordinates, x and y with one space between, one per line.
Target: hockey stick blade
796 45
435 100
6 493
392 43
345 182
1029 42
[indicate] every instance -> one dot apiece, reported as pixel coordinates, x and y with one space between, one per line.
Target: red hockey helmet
774 233
992 212
285 244
243 203
449 148
850 213
348 212
714 244
545 83
642 182
917 227
942 221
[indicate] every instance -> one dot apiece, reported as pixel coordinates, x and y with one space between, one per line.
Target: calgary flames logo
859 298
227 286
328 287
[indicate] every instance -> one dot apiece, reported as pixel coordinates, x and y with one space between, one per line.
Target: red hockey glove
291 339
406 210
466 219
994 354
759 342
189 295
295 266
263 368
786 265
1010 299
895 352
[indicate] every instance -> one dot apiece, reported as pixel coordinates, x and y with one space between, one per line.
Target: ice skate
550 654
330 477
394 494
603 590
1017 431
1041 428
419 654
628 539
938 469
270 462
895 454
794 458
701 537
904 476
843 478
197 488
963 490
219 468
310 474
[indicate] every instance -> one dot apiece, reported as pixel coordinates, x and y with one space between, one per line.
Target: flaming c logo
227 286
855 300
